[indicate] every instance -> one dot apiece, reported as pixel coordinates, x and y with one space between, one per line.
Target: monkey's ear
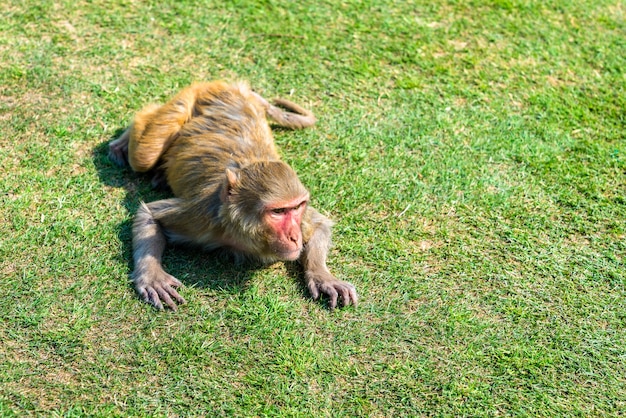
232 178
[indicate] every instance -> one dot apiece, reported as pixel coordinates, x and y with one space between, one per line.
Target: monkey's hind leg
155 127
119 148
150 135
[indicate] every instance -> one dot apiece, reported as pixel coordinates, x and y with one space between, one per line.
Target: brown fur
214 148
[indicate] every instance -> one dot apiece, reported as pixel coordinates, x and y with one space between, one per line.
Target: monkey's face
265 202
283 225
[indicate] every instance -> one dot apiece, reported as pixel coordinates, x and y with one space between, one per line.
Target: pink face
284 220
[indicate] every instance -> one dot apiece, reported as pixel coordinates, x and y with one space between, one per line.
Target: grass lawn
472 154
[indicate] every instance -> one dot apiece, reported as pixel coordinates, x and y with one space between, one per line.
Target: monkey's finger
353 296
173 293
170 286
315 293
345 295
332 295
175 282
152 297
166 298
143 294
348 294
146 296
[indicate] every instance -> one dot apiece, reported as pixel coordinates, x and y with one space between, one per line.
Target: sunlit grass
472 155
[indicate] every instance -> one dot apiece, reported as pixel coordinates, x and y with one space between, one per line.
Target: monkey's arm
319 279
152 283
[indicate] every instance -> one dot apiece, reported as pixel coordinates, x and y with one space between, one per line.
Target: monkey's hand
327 284
155 285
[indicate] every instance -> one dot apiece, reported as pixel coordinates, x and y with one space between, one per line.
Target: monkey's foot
333 288
158 288
118 150
119 155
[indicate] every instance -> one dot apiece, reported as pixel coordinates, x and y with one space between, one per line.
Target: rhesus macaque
212 145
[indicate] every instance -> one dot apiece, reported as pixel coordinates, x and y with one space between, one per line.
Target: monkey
212 145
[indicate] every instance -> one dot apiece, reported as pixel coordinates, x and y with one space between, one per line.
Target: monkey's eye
278 211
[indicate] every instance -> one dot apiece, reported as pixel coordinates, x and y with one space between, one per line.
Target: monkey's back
228 128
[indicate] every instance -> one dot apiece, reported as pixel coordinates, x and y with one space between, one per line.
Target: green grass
472 154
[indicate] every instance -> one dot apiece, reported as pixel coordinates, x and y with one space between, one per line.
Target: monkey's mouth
291 255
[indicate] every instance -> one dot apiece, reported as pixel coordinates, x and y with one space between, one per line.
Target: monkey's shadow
194 267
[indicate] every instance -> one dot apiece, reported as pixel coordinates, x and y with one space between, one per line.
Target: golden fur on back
227 129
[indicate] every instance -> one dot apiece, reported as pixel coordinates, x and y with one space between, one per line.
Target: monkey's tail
295 117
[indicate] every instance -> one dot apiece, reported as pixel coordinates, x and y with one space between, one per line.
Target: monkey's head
266 201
